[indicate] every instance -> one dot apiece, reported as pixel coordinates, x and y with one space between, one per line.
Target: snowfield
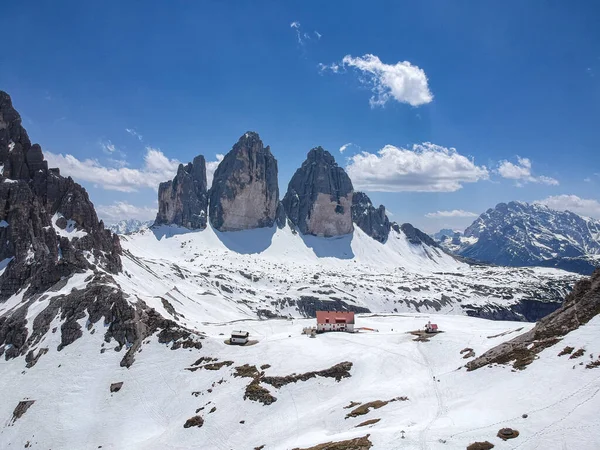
74 408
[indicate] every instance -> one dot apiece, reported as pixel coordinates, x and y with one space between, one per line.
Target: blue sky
512 86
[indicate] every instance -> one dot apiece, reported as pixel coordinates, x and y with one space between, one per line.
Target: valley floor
447 407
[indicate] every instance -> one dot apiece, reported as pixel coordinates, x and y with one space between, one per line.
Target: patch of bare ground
578 354
196 421
247 344
362 443
566 351
593 364
507 433
467 353
423 336
352 405
480 446
339 371
257 393
367 422
211 366
365 408
246 371
21 409
204 359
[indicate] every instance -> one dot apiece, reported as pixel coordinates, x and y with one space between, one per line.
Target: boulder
319 196
245 193
371 220
183 201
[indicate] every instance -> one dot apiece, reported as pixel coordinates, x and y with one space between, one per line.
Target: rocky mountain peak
319 196
371 220
245 191
183 201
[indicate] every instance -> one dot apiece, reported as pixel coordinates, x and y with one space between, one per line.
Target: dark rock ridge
48 226
183 201
417 237
579 307
319 196
521 234
373 221
244 192
50 233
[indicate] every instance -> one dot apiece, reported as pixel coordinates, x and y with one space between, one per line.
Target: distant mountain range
128 226
522 234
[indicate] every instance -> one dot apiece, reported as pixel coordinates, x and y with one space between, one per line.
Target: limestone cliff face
245 192
371 220
183 201
48 226
319 197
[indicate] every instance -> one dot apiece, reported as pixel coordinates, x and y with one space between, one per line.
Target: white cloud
583 206
453 213
318 35
424 168
299 35
157 168
345 146
402 81
211 166
134 133
108 147
123 210
521 173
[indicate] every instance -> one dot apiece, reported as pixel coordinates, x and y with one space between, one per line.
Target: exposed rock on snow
371 220
21 409
319 196
580 306
183 201
244 193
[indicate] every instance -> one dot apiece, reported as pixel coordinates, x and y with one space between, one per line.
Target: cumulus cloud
402 81
157 168
583 206
446 214
424 168
123 210
521 173
134 133
211 166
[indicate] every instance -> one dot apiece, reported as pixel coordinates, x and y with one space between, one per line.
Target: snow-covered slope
127 226
278 273
447 407
521 234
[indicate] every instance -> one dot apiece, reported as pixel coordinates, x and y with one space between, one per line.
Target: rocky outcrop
183 201
371 220
245 193
416 236
49 234
579 307
319 196
48 226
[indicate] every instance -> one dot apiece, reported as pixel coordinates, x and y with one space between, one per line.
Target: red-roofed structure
335 321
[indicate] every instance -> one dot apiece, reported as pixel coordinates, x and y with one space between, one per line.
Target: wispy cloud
403 81
302 36
424 168
584 206
134 133
123 210
454 213
521 173
211 166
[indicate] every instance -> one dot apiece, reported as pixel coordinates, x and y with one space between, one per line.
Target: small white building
239 337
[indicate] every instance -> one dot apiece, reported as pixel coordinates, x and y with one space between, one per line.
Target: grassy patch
376 404
246 371
367 422
481 446
579 353
362 443
257 393
566 351
196 421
